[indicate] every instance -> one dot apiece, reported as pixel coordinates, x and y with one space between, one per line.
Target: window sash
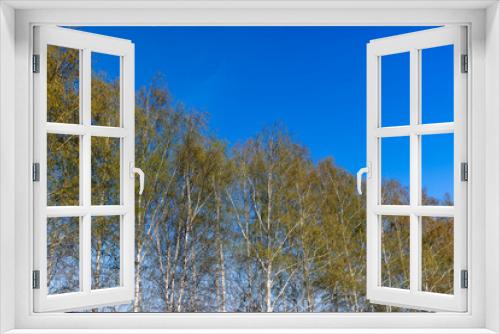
86 43
413 43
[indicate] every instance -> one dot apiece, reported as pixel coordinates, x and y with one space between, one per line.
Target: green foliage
62 169
257 227
63 100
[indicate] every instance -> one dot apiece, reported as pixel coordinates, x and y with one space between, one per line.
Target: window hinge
36 63
465 63
36 172
464 279
36 279
464 171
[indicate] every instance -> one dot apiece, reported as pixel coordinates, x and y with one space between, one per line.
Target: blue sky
310 79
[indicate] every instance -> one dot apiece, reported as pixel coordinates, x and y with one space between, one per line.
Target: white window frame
16 20
413 44
85 43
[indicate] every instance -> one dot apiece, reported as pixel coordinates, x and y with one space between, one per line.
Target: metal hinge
36 279
464 279
36 172
464 171
465 63
36 63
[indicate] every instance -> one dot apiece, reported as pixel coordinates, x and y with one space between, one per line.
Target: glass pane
63 266
105 171
437 84
63 170
105 252
105 100
437 255
395 89
395 170
396 251
63 85
437 169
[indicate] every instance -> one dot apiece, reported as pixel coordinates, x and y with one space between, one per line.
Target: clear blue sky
311 79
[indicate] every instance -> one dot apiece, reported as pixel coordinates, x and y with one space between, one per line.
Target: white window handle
359 176
135 170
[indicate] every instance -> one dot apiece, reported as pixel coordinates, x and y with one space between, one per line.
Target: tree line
256 226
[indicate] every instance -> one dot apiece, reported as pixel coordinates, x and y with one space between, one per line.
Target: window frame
314 13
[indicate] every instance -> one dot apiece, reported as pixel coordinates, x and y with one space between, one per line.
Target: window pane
395 89
396 251
105 252
105 98
395 170
105 171
62 170
63 266
437 84
437 169
437 255
63 85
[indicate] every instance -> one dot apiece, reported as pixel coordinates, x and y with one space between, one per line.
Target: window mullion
85 242
415 172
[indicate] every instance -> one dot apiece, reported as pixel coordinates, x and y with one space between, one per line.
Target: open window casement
83 170
408 285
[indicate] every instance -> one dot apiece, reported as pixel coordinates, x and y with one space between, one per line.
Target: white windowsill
253 331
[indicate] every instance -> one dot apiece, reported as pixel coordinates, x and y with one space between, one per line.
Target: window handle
135 170
359 176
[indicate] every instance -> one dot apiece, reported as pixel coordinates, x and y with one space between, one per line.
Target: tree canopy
256 226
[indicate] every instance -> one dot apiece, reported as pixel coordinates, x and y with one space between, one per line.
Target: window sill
254 331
